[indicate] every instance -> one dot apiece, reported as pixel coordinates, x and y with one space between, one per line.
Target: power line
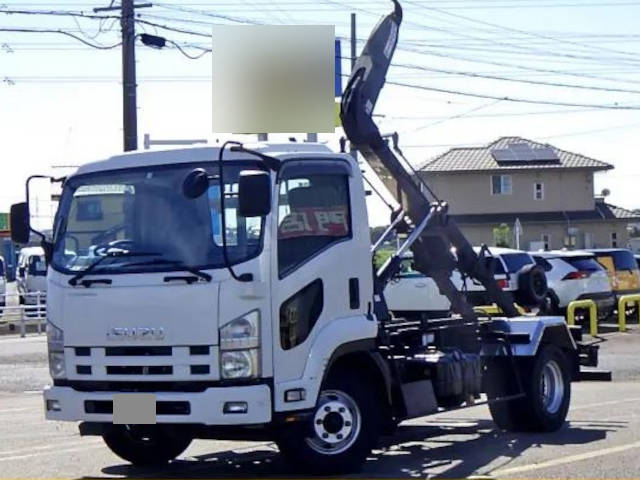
61 32
454 117
517 80
516 99
510 29
186 54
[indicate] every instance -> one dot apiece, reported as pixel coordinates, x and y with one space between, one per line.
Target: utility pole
352 150
129 103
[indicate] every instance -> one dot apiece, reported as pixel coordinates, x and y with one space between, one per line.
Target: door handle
420 285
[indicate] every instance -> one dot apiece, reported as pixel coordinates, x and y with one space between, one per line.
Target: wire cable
61 32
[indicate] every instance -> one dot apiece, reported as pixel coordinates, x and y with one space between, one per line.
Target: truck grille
145 363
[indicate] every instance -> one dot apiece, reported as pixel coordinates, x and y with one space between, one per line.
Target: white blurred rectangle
273 79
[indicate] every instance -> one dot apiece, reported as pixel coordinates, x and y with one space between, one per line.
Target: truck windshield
143 211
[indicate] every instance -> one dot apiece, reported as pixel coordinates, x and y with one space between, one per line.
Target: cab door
321 263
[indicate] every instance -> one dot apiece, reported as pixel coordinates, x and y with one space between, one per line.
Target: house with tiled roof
549 192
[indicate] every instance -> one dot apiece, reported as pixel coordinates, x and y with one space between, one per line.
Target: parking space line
70 450
604 404
561 461
27 449
14 410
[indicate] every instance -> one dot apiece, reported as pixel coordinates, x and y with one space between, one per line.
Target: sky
61 100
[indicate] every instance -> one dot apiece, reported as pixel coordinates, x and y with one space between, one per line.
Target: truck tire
341 431
145 444
547 384
532 285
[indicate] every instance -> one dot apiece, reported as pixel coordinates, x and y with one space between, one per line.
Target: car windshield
584 264
141 220
515 261
623 260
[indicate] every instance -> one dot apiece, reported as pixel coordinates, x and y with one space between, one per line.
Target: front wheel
547 385
145 444
341 431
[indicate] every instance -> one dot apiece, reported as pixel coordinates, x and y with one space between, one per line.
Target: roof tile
480 159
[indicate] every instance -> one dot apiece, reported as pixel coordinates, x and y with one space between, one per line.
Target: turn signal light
503 283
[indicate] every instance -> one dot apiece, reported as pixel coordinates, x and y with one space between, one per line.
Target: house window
546 240
501 184
614 240
538 191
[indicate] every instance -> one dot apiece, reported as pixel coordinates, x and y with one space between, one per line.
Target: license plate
134 408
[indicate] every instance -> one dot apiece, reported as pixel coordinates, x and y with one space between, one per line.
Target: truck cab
143 297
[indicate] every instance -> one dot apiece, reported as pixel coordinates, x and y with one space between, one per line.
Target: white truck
230 296
31 281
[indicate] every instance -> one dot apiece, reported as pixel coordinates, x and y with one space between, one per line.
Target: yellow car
622 268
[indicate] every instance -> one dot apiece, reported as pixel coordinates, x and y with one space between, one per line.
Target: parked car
621 265
32 276
3 285
413 294
576 275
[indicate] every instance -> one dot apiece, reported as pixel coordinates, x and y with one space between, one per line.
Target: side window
543 263
313 213
299 313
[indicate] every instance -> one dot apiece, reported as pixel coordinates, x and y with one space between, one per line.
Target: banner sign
315 222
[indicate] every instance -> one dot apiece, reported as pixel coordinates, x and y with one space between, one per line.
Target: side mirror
21 272
195 183
20 231
254 193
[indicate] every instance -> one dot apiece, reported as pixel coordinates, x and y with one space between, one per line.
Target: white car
576 275
412 294
32 276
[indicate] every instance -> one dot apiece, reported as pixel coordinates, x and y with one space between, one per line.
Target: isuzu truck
228 293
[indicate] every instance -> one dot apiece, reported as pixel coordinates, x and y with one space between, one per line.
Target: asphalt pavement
601 438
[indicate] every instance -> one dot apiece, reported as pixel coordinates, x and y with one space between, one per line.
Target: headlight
239 364
57 367
240 333
239 345
55 344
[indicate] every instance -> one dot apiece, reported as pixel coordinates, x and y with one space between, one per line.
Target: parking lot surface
601 439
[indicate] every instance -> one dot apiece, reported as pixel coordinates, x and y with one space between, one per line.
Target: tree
502 236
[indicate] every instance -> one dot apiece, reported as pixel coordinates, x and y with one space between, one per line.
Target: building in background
515 191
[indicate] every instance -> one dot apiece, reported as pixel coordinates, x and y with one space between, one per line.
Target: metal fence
22 310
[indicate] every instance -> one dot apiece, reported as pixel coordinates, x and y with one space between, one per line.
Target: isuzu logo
136 333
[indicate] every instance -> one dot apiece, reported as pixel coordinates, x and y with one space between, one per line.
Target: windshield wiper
73 281
164 261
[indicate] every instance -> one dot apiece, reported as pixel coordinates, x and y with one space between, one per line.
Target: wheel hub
552 387
336 423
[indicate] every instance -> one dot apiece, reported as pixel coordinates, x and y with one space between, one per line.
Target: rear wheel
341 432
547 384
145 444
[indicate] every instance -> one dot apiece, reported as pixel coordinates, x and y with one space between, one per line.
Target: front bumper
205 407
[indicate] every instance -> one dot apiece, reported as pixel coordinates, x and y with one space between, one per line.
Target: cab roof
141 158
